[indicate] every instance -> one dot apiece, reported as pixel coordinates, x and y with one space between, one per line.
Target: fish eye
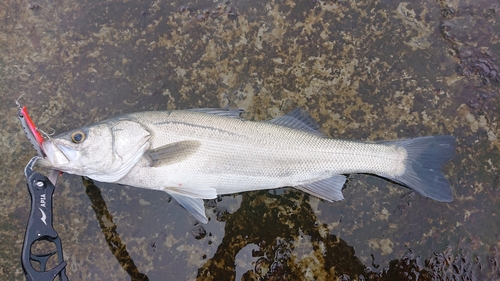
77 137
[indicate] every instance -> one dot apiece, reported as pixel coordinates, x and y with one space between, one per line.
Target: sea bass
200 153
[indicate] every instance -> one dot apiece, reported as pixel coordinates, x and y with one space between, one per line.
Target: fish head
104 151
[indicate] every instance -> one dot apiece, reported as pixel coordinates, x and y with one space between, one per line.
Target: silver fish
198 154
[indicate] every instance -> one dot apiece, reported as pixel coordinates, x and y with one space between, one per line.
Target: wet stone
364 70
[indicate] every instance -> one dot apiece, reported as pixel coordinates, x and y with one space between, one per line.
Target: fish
198 154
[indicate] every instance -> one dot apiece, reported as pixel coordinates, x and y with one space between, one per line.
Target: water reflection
275 235
108 227
278 237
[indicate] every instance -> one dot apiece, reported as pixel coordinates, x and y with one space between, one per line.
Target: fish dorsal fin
193 205
172 152
298 119
329 189
233 113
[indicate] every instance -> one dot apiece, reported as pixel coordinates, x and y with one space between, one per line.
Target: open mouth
58 155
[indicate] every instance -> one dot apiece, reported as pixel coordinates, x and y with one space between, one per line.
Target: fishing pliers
40 228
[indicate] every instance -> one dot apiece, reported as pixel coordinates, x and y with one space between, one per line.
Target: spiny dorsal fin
298 119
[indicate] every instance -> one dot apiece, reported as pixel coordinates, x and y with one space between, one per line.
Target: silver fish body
198 154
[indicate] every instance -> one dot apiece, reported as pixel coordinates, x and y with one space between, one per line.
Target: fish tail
425 156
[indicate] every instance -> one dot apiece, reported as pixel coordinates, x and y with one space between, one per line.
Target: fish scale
238 155
198 154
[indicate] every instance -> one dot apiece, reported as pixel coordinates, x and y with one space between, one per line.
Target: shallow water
371 71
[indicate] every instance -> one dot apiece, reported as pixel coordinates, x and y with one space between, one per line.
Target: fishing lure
32 132
34 136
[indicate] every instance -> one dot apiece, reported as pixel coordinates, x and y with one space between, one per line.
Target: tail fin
423 173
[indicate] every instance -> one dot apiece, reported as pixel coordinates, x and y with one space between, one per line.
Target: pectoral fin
172 153
193 205
196 192
329 189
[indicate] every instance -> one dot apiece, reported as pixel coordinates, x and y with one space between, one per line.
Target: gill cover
129 142
105 151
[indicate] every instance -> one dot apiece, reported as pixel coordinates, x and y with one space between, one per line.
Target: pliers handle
40 228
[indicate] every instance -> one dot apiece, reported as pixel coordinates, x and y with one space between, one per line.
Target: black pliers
40 228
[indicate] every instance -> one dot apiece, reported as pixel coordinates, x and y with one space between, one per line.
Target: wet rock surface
372 70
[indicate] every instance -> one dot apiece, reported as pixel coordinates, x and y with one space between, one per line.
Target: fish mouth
57 155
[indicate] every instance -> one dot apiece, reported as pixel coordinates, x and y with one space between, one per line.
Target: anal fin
329 189
193 205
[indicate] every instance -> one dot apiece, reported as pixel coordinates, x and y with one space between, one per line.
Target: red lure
31 130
